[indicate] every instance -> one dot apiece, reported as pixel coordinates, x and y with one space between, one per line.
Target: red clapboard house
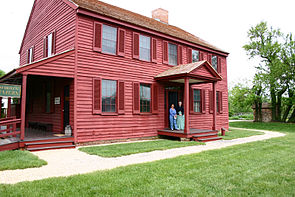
112 74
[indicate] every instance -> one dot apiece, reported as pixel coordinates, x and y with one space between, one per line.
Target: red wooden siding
47 17
155 99
62 67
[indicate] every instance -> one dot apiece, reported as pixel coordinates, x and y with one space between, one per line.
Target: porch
184 77
43 107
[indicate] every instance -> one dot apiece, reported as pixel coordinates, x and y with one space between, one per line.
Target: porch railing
8 127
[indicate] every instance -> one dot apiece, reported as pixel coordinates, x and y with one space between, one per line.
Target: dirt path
67 162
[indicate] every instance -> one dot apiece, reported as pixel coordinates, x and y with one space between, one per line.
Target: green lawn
238 133
271 126
16 159
116 150
263 168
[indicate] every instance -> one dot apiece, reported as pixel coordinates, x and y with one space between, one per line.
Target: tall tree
265 44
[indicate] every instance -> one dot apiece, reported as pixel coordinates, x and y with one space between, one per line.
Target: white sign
57 100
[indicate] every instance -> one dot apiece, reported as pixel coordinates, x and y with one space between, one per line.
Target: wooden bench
40 126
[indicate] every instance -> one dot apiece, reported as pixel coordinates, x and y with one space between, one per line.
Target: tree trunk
279 104
289 105
273 104
286 113
292 118
260 110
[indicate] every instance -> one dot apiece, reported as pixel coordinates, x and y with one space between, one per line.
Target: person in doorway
172 118
180 116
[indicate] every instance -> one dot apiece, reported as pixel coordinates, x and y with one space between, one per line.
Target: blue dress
172 113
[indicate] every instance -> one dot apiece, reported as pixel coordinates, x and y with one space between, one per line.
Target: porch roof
197 72
15 75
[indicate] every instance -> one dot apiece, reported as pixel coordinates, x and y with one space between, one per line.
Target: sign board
56 100
7 90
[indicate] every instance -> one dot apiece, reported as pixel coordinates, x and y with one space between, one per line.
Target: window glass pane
197 100
172 48
145 98
195 55
109 94
109 39
31 55
214 62
49 44
144 48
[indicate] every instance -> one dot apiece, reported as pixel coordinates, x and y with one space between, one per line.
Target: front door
66 106
171 98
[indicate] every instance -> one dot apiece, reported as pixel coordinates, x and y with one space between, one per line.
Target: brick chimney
160 15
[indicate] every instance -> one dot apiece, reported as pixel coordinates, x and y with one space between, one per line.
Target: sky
222 23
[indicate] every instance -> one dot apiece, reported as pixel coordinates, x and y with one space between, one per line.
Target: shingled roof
143 21
186 69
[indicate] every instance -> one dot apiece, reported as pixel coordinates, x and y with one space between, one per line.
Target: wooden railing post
23 108
8 107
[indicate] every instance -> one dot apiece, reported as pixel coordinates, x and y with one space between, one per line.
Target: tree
2 73
240 99
265 43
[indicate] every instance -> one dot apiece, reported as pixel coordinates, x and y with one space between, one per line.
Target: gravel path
66 162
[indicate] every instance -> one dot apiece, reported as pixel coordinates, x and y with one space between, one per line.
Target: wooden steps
49 144
206 136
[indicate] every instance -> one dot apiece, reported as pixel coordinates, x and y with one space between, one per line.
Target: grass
271 126
16 159
238 133
116 150
262 168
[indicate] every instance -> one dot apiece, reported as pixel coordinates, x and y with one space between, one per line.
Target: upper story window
109 95
30 55
144 48
172 53
145 98
214 61
49 45
109 39
195 56
197 100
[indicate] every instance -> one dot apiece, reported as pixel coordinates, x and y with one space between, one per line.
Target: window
197 100
172 52
49 45
30 55
109 39
195 56
109 94
145 98
144 48
214 62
